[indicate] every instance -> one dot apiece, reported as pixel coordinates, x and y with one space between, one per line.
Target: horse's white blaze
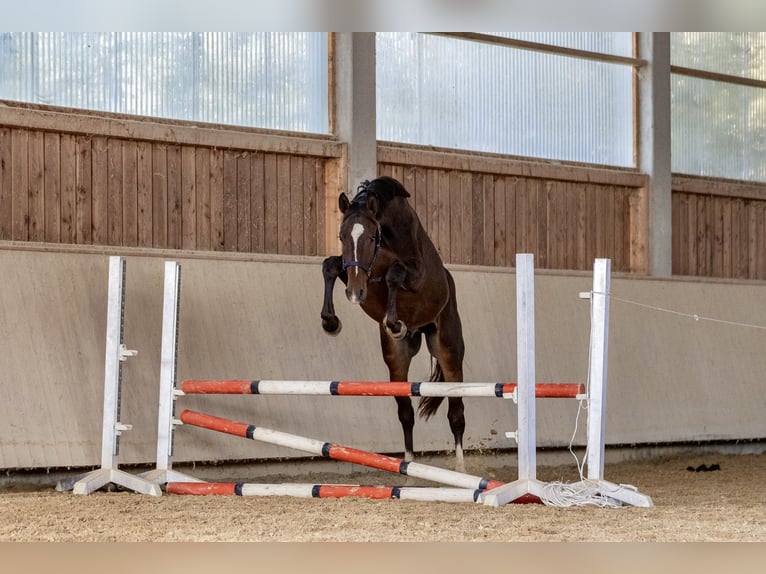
356 233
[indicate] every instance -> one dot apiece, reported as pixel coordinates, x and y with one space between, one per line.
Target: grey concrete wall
671 378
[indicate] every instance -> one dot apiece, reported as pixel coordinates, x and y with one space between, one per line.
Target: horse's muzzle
356 295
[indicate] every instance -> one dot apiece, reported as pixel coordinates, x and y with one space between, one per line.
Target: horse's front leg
332 268
395 277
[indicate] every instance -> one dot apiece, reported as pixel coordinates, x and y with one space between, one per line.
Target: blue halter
362 266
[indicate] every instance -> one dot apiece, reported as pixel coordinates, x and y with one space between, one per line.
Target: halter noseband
362 266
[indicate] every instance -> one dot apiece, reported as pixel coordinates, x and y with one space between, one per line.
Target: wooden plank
752 239
257 203
475 162
521 222
487 218
727 244
476 237
718 238
100 191
114 192
202 188
510 194
760 263
271 204
20 184
216 200
432 184
243 203
704 237
420 185
189 197
408 181
175 197
297 213
619 215
570 257
739 239
283 204
84 191
68 154
36 186
52 187
533 188
443 200
542 226
6 188
229 200
129 193
609 199
582 228
320 193
678 266
170 132
310 200
455 231
159 195
501 230
719 187
691 235
144 193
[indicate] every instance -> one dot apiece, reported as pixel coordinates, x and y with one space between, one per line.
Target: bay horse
393 271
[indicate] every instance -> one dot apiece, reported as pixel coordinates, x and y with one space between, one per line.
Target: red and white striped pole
338 452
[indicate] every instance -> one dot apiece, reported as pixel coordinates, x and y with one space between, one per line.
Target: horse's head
360 238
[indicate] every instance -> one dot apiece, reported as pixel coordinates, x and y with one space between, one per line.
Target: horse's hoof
332 326
400 333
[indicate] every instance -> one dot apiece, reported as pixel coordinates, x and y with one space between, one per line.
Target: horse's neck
403 232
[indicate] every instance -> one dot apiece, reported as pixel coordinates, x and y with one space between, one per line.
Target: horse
391 268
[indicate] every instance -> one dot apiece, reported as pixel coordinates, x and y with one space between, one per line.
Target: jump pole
112 427
338 452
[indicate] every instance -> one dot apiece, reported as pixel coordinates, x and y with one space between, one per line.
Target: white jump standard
112 427
525 489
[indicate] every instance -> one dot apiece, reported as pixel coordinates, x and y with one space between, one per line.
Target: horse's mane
384 188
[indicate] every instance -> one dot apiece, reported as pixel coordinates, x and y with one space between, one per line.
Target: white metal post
112 427
166 420
599 346
527 482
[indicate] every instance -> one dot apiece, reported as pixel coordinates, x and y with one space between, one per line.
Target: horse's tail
429 405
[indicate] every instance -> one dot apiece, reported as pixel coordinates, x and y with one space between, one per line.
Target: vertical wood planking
20 185
129 193
455 231
271 204
175 197
510 194
243 203
476 240
216 200
310 200
297 213
257 203
488 218
144 205
159 195
230 200
503 226
100 190
68 198
114 191
283 204
570 257
6 187
36 186
52 187
202 221
443 199
83 191
189 197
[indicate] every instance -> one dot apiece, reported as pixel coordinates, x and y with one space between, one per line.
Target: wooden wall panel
484 218
81 189
718 228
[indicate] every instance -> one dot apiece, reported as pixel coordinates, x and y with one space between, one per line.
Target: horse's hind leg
332 268
397 355
448 347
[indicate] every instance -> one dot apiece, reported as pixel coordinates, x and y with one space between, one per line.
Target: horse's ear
343 202
373 204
